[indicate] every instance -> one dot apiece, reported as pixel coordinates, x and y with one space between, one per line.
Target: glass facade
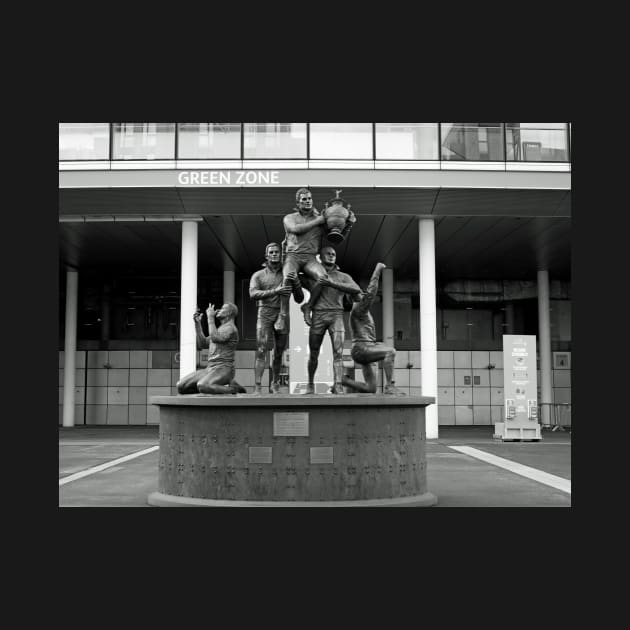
274 140
407 141
475 142
536 142
209 141
84 141
143 141
341 141
472 141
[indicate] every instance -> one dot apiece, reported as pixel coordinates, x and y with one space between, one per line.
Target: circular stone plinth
166 500
292 451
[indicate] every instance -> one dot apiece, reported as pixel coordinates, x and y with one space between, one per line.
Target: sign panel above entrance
228 178
235 178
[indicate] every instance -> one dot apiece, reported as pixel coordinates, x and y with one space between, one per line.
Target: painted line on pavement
497 441
107 443
525 471
96 469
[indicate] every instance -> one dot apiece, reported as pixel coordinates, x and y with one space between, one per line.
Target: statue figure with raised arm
218 376
365 349
304 230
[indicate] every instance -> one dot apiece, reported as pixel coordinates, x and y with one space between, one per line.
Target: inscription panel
260 454
290 423
321 454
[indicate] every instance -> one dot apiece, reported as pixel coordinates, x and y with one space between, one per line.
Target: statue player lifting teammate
267 288
327 315
304 230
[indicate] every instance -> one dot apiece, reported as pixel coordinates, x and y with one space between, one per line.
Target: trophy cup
336 212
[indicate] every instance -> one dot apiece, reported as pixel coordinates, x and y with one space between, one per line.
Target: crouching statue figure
218 376
365 349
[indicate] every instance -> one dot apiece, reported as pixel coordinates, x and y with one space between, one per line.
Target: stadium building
473 221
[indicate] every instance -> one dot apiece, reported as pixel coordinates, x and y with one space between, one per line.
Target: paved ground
458 479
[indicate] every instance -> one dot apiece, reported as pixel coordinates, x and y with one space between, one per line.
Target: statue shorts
327 320
365 352
220 374
264 326
296 262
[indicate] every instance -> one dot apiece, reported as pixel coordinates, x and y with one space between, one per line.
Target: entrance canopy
480 233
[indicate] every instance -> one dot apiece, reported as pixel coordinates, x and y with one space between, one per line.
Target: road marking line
99 468
429 454
106 443
525 471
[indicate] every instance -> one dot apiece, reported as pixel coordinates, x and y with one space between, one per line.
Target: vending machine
520 417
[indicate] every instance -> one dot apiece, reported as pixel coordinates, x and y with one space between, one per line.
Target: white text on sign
228 178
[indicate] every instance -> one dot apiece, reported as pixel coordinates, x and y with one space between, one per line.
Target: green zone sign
228 178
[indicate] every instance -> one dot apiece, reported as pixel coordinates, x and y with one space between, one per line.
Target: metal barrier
559 416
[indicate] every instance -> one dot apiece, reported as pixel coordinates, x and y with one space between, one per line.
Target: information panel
321 454
520 415
260 455
288 423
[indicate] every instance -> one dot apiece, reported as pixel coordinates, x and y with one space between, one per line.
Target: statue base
166 500
352 450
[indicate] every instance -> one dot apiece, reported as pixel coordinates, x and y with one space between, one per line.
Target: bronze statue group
284 272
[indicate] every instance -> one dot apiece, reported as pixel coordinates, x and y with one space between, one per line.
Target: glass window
467 329
407 141
560 316
275 140
406 322
472 141
144 141
84 141
341 141
536 142
208 141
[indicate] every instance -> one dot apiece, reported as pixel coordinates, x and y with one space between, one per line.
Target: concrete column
544 345
70 347
387 278
228 285
188 304
428 321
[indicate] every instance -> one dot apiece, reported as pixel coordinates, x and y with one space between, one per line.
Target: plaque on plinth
290 423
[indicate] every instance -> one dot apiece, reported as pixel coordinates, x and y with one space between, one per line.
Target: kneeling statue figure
218 376
365 349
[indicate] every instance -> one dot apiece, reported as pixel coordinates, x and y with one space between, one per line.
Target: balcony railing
449 142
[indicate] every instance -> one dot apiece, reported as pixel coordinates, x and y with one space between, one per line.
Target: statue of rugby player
365 349
327 315
218 376
267 288
304 230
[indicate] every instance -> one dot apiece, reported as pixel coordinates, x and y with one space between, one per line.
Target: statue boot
337 388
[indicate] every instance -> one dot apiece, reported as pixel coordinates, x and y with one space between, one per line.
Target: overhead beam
99 218
475 176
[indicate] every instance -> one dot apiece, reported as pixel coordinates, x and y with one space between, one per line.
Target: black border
385 536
